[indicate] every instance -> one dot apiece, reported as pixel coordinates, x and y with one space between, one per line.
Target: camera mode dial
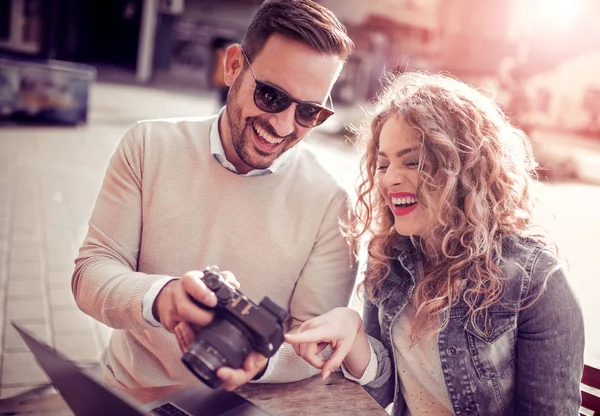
212 279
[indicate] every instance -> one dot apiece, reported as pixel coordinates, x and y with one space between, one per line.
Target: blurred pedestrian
219 46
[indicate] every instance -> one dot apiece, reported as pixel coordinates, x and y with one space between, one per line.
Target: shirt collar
217 150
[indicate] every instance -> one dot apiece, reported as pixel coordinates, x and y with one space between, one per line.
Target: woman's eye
412 163
382 167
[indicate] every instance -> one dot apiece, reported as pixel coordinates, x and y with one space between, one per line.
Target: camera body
239 327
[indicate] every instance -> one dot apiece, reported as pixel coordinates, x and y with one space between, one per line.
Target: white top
419 369
168 206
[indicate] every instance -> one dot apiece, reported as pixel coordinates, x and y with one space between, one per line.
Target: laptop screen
84 394
87 396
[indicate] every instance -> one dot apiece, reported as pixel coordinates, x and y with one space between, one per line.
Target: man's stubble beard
238 126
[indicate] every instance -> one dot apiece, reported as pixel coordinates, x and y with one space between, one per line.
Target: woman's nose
393 177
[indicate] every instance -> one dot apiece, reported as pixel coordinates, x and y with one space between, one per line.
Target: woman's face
397 175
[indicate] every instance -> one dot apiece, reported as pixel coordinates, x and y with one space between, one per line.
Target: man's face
256 138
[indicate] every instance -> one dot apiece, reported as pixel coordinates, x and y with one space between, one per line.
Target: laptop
86 395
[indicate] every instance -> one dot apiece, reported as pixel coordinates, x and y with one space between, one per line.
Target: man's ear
234 62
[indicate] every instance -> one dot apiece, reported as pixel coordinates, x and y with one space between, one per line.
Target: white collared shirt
216 148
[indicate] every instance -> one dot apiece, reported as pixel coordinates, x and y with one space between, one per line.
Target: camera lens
204 365
221 344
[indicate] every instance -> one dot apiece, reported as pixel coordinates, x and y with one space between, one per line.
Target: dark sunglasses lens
270 99
311 116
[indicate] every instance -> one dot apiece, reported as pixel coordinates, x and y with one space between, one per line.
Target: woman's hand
338 328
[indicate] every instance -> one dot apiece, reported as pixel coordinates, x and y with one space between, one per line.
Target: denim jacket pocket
493 352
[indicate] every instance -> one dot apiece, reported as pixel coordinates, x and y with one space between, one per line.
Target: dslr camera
239 326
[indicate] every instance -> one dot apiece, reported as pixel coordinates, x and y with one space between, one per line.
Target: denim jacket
529 362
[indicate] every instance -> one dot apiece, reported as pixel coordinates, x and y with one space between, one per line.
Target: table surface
333 397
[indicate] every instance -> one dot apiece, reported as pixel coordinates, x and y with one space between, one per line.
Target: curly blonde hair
475 177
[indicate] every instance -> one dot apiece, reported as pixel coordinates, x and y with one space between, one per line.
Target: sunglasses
271 99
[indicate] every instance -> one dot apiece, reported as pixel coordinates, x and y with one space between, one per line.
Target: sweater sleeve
325 283
105 282
327 279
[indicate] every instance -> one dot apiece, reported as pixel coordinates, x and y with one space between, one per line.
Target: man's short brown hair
304 21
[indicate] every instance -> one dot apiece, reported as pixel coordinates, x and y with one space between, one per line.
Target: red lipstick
405 210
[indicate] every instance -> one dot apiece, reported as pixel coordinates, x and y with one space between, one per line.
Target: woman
468 309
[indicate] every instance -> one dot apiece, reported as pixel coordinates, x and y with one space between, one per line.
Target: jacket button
451 351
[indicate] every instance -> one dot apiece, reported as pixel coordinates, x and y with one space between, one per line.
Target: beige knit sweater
167 206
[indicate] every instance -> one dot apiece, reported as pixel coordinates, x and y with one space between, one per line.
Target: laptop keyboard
169 409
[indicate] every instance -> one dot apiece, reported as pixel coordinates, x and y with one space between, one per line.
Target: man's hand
232 379
178 314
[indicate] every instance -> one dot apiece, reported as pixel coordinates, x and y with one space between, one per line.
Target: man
238 191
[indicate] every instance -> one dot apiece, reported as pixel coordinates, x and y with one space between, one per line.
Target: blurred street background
75 74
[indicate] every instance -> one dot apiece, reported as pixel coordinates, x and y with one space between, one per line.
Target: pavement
49 179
